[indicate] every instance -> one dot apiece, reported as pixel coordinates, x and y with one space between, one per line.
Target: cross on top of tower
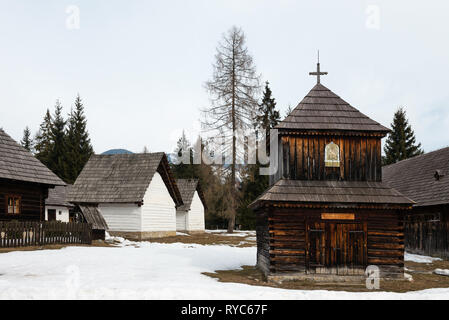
318 73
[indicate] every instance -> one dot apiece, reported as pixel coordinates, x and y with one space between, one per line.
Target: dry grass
95 243
210 239
423 278
200 238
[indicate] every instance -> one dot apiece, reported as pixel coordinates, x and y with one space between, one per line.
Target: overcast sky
140 66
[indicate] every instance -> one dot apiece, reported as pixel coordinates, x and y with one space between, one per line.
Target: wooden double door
335 246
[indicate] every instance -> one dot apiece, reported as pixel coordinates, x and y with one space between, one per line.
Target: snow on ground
443 272
150 271
419 259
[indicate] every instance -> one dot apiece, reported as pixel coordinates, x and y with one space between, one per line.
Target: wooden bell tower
327 211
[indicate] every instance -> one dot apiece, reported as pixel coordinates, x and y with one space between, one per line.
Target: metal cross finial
318 73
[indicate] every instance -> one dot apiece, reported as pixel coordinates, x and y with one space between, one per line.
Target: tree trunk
231 221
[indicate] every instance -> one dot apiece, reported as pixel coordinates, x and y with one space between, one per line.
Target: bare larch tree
233 90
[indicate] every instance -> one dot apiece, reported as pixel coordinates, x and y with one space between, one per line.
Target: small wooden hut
24 182
56 206
132 195
327 213
424 179
190 216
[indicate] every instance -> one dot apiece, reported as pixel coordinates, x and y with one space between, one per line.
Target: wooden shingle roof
321 109
187 188
415 177
332 193
121 178
17 163
94 217
57 196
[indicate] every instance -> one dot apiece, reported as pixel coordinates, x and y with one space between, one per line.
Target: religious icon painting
332 155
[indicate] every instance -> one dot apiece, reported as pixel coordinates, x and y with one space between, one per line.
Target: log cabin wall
32 197
386 241
288 238
301 157
263 241
427 231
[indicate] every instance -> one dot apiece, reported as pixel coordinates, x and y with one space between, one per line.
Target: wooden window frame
14 197
328 162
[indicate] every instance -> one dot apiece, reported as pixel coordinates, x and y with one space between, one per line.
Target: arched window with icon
332 155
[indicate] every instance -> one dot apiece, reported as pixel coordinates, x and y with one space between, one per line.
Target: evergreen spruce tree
401 142
183 167
268 115
57 156
77 142
27 141
43 140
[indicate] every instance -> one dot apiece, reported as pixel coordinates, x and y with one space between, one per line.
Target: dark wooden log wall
32 200
427 231
302 158
386 241
288 238
263 241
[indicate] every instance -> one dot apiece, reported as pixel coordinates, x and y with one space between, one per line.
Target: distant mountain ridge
118 151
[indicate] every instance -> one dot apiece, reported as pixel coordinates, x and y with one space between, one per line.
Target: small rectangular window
13 204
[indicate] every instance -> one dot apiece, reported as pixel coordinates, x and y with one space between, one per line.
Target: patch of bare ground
95 243
206 238
216 238
423 278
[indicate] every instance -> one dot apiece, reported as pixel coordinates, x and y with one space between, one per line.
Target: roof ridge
21 165
416 157
122 178
333 109
129 154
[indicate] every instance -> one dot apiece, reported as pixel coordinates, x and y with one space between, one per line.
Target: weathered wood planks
300 241
33 233
304 158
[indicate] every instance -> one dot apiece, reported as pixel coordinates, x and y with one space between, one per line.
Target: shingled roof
416 177
332 193
321 109
121 178
94 217
187 188
17 163
57 196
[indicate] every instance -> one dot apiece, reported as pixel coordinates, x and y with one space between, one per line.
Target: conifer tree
233 89
27 140
57 157
401 142
183 167
268 116
77 142
43 140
